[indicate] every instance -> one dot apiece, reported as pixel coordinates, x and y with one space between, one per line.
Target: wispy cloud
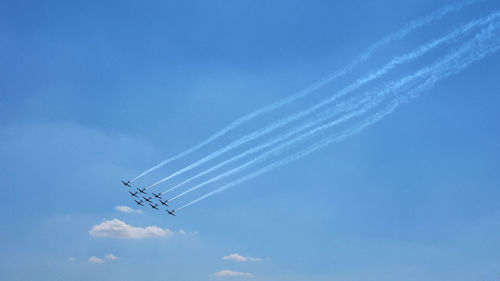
185 233
128 210
230 273
94 259
71 259
111 257
116 228
239 258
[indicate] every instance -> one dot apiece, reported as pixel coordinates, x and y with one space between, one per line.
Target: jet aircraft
138 202
134 194
148 199
164 203
142 190
155 206
170 212
157 195
127 183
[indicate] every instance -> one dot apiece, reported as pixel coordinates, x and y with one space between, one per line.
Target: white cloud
111 257
94 259
230 273
127 209
182 232
118 229
71 259
239 258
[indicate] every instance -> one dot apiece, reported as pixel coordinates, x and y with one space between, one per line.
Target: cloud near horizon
128 210
111 257
94 259
230 273
116 228
239 258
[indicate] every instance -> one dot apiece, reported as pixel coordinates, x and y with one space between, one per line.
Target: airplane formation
148 199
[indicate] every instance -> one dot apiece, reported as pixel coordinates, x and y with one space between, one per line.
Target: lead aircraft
127 183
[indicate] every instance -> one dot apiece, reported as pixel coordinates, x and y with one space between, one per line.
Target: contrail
330 113
315 86
276 151
352 87
310 123
472 51
304 137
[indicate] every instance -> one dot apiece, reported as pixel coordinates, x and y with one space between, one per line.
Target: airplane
127 183
138 202
142 190
157 195
134 194
171 212
155 206
164 203
147 199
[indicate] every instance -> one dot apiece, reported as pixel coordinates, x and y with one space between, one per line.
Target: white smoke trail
472 51
352 87
304 137
276 150
361 58
310 123
463 30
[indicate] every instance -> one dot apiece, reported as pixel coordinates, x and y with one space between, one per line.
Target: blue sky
96 91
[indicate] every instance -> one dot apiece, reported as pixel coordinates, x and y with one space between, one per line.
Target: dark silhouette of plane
142 190
127 183
164 203
155 206
138 202
134 194
157 195
170 212
147 199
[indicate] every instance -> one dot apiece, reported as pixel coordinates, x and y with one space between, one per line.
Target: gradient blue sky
95 91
